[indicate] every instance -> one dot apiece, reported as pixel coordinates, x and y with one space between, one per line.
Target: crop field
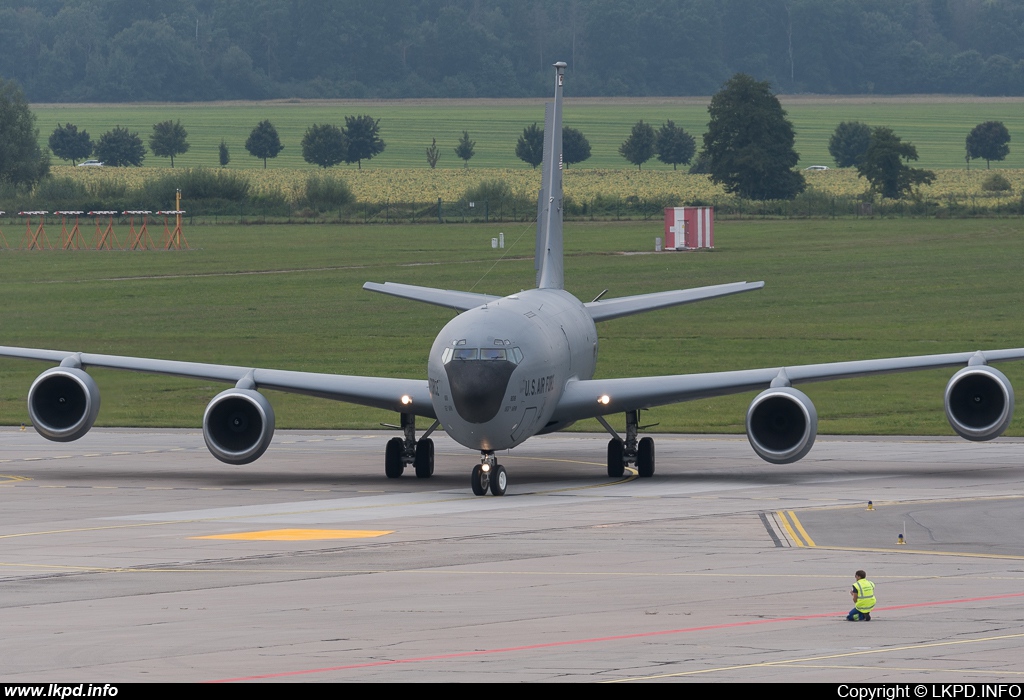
290 297
936 125
581 185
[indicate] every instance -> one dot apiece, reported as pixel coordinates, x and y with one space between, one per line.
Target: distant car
91 164
812 167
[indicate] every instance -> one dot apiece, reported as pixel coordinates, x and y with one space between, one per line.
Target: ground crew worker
863 598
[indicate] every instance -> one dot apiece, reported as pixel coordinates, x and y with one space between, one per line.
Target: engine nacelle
781 425
979 402
63 403
238 426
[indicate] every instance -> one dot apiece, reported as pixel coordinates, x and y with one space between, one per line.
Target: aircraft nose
478 386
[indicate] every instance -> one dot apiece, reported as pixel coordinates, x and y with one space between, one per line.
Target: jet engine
781 425
238 425
979 402
63 403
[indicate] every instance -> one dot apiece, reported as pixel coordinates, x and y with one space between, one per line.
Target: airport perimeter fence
809 205
806 206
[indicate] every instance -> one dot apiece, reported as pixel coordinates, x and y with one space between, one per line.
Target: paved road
133 555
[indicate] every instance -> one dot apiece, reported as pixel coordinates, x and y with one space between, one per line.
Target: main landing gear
403 451
489 475
629 451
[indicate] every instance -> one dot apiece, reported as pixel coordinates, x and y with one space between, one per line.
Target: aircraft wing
581 398
460 301
378 392
608 309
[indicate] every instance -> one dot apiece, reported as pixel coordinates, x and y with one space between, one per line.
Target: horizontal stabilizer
607 309
461 301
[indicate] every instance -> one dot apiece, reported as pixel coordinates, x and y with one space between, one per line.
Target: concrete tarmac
133 555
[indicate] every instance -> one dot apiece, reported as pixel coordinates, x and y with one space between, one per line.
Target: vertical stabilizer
548 255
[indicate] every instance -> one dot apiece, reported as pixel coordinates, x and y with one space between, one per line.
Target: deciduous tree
120 147
989 140
675 147
530 146
848 143
749 142
169 139
639 147
22 162
222 152
575 146
324 145
364 142
465 148
68 143
884 167
263 142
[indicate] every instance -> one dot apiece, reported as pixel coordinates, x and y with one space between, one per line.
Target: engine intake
238 426
979 403
781 425
63 403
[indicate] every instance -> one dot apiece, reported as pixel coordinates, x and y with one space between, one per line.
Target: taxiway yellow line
785 662
789 529
799 526
296 535
980 672
938 553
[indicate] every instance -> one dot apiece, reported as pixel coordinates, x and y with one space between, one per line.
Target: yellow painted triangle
294 535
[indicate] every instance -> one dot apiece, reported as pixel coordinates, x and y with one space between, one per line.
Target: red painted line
594 640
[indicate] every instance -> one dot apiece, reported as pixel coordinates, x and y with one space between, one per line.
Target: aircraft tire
499 481
393 466
645 457
424 461
479 480
616 466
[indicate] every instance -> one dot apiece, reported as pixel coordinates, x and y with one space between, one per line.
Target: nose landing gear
489 475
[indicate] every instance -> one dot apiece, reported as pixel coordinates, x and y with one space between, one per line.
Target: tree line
116 50
748 147
323 144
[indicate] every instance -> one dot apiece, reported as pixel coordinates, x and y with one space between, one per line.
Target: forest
201 50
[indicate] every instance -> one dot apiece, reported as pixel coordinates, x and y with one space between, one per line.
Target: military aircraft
508 368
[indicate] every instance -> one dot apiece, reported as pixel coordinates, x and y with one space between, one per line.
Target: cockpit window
513 355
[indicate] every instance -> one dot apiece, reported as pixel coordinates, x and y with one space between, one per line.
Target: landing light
604 399
406 400
485 467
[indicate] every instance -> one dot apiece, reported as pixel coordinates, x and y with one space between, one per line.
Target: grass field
937 126
290 297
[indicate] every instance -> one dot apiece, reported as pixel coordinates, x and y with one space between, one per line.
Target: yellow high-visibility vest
865 595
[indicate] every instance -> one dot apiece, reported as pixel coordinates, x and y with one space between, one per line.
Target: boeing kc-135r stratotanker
508 368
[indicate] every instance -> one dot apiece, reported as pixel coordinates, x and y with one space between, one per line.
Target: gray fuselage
497 371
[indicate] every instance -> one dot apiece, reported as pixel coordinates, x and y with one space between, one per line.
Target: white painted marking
408 505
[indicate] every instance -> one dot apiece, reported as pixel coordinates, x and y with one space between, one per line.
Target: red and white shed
689 228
